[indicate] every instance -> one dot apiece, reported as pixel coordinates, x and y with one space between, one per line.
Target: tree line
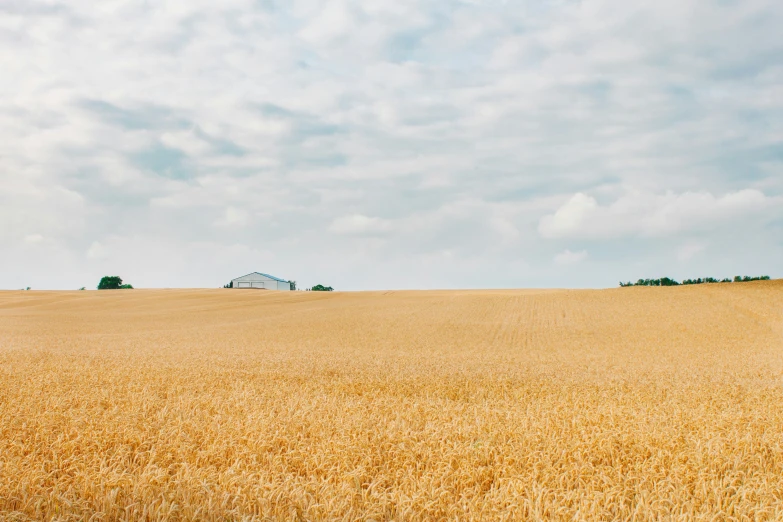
666 281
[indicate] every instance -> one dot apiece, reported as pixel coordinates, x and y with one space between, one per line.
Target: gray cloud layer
389 144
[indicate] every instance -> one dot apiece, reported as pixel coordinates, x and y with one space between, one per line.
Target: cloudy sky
389 143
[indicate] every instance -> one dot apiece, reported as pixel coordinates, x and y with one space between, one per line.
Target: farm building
259 280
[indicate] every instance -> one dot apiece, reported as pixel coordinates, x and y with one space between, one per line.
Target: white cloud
335 20
186 141
358 225
97 251
645 214
570 218
505 229
566 257
233 217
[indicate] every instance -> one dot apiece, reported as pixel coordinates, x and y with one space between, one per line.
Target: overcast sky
389 144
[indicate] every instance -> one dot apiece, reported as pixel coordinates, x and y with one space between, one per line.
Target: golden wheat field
618 404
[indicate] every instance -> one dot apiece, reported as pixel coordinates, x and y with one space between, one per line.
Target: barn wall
255 281
259 281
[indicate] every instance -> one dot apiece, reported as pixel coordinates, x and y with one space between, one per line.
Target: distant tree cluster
743 279
321 288
112 283
665 281
713 280
229 285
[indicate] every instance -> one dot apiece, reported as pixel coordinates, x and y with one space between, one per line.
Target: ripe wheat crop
634 403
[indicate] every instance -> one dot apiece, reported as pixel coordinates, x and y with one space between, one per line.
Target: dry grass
634 403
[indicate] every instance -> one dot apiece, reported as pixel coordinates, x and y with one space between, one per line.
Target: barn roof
265 275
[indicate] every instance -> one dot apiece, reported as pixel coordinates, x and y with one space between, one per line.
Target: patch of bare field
631 403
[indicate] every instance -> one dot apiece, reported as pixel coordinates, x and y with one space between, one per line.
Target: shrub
321 288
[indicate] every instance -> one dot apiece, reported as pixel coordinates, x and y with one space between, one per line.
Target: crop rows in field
642 403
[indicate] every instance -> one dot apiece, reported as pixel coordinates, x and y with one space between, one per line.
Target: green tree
112 283
293 285
321 288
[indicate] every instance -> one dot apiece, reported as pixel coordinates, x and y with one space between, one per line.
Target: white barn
259 280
